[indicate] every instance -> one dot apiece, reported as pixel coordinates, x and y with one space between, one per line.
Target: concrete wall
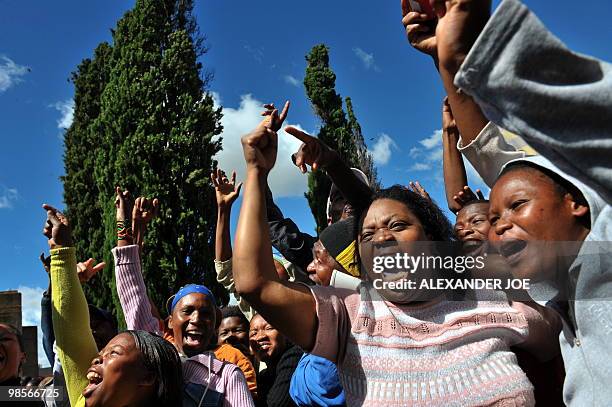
10 307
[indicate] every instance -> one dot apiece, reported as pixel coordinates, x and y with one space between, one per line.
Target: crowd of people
311 328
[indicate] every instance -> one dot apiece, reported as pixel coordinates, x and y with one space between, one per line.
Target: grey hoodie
560 102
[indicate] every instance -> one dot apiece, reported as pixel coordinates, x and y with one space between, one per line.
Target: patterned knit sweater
450 353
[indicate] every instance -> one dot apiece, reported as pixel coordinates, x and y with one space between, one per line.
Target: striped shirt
225 378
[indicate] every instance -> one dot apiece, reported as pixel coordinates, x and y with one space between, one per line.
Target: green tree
158 131
80 143
365 161
336 131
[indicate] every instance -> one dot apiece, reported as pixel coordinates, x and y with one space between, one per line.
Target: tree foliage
336 131
143 120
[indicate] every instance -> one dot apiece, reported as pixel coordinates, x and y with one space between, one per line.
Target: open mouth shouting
194 338
94 376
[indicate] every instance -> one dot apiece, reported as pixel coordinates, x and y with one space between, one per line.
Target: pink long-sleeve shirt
225 378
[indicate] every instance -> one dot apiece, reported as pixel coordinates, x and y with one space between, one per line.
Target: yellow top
76 347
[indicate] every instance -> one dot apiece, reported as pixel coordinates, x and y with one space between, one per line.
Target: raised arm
226 193
295 245
557 100
315 153
421 30
130 283
46 315
76 346
286 305
285 235
452 162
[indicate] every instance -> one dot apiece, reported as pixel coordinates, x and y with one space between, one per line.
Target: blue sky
257 55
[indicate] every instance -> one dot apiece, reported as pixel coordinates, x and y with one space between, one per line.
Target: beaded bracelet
124 230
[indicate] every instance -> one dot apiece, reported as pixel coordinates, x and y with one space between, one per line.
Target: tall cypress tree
336 131
158 128
81 141
365 161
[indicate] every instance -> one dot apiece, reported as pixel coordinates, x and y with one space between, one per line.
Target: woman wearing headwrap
192 322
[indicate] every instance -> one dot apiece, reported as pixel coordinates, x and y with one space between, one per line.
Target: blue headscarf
315 382
190 289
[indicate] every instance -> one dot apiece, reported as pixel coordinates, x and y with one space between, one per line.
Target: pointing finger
283 114
299 134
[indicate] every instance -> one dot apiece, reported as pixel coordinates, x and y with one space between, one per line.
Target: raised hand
421 32
123 204
418 188
226 191
274 122
88 269
144 211
312 152
460 23
57 228
467 195
261 146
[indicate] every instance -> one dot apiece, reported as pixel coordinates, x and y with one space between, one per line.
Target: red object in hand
420 6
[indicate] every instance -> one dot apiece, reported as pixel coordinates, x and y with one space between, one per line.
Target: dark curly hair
234 311
435 224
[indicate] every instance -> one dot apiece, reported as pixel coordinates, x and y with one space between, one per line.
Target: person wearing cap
350 191
193 319
296 246
315 381
334 253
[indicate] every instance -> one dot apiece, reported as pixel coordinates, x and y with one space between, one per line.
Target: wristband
124 230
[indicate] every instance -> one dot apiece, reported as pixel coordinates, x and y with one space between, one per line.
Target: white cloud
66 108
429 158
291 80
285 179
366 59
434 155
382 149
10 73
420 167
30 315
432 141
216 99
429 155
7 197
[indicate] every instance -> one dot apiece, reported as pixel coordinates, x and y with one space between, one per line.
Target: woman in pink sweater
391 347
193 315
